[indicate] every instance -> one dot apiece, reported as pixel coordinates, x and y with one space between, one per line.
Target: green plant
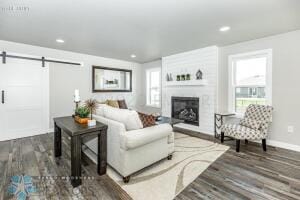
92 105
82 112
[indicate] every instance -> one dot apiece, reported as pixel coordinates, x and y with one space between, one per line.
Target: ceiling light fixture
60 41
224 28
133 56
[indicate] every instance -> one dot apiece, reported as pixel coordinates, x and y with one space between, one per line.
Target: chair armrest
136 138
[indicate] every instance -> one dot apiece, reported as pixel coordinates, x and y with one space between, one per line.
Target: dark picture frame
94 68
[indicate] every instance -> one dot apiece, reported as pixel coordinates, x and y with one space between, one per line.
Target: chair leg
222 137
246 141
126 179
264 144
238 145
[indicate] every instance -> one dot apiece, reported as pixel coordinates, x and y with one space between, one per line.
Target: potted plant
92 105
82 114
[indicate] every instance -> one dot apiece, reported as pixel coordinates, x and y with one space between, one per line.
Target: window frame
148 89
232 72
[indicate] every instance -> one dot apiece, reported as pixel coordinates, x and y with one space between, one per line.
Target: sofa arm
136 138
115 129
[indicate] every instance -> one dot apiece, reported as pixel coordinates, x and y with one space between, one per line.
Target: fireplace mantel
202 82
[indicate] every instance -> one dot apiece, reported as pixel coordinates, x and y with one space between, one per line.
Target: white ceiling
150 29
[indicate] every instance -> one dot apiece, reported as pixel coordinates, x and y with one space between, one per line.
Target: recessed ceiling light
133 56
224 28
60 41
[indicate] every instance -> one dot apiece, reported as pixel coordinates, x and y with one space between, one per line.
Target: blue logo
21 187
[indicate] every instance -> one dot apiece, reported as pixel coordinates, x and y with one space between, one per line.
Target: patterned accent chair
254 126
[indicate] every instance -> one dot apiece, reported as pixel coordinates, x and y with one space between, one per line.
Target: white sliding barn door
25 109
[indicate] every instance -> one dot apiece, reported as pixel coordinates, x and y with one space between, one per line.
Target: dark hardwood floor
34 156
250 174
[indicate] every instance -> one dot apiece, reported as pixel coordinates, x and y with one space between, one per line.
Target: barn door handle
2 92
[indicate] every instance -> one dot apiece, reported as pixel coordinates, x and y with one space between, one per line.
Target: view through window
153 87
249 84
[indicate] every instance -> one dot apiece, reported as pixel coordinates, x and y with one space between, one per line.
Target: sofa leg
222 137
238 145
126 179
264 144
246 141
170 157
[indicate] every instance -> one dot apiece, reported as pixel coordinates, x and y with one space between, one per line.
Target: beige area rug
165 179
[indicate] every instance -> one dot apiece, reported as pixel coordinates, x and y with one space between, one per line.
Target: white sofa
129 151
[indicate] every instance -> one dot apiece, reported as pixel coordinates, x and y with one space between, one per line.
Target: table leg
102 151
215 125
57 141
76 161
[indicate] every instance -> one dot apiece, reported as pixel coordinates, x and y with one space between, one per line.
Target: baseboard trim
51 130
272 143
283 145
192 128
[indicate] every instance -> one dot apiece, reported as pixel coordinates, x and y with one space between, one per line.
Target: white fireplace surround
205 59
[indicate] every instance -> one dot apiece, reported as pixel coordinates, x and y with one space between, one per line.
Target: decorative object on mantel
178 77
188 77
76 100
199 75
182 77
82 114
92 105
170 77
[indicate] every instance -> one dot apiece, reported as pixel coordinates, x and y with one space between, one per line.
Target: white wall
143 100
64 79
286 73
205 59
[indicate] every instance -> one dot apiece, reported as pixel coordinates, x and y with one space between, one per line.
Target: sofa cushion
113 103
129 118
122 104
137 138
100 109
147 120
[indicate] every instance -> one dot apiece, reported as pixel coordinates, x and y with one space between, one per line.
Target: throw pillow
250 123
113 103
122 104
147 120
129 118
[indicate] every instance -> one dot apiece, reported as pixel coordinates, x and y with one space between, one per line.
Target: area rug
167 178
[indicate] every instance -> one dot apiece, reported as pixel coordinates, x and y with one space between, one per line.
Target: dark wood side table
76 131
168 120
218 122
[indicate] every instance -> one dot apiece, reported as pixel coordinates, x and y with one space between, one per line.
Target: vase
81 120
182 77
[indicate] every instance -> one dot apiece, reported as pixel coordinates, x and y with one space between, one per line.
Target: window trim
231 75
148 72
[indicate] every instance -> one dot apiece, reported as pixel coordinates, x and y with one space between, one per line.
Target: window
153 87
250 80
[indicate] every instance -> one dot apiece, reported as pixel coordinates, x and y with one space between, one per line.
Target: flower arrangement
91 105
82 112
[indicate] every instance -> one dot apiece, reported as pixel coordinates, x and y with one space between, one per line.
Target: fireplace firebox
187 109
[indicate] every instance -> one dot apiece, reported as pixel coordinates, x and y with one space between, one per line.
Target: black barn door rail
43 59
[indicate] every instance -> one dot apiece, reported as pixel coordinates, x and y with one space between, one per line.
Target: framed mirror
111 79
